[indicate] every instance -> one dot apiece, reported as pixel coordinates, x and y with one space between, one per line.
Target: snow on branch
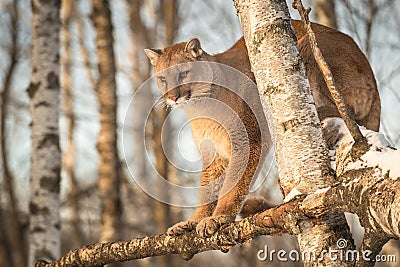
369 187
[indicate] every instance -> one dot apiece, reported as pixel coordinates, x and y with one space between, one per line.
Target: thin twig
330 82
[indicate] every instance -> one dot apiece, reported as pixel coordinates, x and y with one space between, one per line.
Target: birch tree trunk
44 91
140 72
162 138
109 179
77 234
299 146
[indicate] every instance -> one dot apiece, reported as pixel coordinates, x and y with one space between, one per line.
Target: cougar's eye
183 74
162 79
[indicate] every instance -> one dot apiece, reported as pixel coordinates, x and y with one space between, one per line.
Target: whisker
160 104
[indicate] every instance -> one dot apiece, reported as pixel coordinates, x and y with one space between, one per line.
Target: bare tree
13 234
140 39
69 154
46 156
109 179
325 13
161 131
79 18
370 23
316 214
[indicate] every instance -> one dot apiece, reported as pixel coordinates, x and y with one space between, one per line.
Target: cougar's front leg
211 181
233 191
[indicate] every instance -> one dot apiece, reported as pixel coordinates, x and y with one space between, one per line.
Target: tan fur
238 151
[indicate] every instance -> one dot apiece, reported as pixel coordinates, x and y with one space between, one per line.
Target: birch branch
369 189
276 221
287 218
328 77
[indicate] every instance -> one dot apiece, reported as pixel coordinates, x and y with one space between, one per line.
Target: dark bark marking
32 89
51 184
38 229
290 124
49 139
52 81
42 104
36 209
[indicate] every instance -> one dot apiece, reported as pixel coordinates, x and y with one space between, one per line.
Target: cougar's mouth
178 99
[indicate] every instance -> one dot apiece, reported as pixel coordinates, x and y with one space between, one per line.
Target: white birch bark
44 90
299 146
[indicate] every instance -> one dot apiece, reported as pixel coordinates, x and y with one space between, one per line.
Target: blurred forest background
139 24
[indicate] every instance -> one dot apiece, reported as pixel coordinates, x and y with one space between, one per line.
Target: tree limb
276 221
367 191
363 188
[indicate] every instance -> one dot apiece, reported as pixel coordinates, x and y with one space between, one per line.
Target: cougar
220 98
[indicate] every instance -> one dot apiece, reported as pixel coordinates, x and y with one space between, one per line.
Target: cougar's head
177 75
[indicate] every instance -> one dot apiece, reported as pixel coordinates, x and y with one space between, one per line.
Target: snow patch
380 154
388 160
322 190
292 194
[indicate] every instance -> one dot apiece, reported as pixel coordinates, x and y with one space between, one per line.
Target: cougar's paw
208 226
181 227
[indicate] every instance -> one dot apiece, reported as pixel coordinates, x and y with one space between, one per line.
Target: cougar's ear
194 48
153 55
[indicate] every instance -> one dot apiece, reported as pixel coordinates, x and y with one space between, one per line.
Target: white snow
292 194
388 160
380 154
322 190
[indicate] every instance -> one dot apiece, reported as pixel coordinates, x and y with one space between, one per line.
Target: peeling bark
44 92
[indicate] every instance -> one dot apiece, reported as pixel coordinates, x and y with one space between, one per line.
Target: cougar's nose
173 97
